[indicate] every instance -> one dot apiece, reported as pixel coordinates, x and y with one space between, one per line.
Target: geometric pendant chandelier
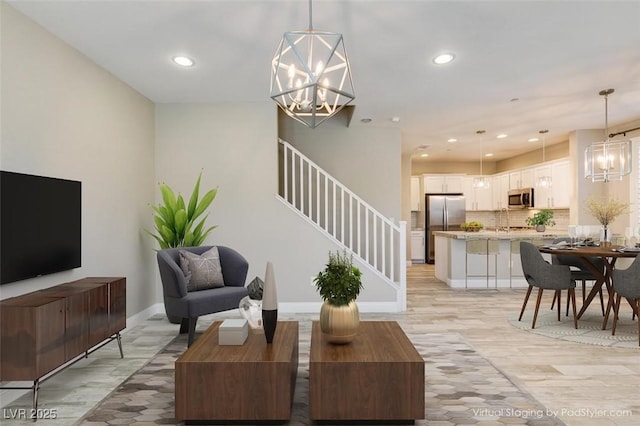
610 159
310 75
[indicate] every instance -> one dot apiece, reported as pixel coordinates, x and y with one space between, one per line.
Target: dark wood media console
46 330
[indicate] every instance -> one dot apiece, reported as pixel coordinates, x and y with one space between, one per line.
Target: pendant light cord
481 132
310 17
606 94
542 132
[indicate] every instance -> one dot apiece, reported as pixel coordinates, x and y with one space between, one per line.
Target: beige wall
531 158
553 152
63 116
365 158
242 161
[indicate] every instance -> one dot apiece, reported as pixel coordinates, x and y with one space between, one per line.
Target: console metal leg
36 388
119 339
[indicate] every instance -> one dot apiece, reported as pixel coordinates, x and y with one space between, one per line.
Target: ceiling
521 66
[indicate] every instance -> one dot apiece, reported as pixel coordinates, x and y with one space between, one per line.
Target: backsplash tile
517 218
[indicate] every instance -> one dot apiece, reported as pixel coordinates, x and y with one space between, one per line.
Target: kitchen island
485 259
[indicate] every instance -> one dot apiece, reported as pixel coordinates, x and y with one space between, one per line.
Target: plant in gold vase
339 285
606 211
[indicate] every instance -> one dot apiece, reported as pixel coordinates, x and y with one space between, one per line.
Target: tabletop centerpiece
339 285
606 211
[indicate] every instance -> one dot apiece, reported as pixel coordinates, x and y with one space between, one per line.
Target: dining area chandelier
310 75
608 160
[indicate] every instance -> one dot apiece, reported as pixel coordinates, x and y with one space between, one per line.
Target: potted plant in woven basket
339 285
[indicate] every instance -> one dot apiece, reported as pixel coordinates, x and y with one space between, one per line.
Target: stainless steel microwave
521 198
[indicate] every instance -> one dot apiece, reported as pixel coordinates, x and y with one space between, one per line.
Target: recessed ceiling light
395 119
183 61
533 140
424 155
501 136
452 140
488 154
444 58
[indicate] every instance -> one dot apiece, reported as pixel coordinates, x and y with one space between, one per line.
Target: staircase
344 218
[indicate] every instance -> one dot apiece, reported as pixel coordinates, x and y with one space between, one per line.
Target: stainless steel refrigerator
443 212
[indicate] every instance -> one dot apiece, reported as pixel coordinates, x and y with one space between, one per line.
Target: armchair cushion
202 271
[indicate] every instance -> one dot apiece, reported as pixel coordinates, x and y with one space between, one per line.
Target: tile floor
583 384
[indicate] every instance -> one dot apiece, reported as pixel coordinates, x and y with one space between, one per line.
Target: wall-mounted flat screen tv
40 225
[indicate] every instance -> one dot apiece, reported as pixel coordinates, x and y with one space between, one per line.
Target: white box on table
233 332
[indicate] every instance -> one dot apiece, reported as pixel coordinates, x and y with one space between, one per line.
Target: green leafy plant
175 221
543 217
340 282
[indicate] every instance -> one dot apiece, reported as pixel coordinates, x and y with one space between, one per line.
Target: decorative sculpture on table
269 304
251 306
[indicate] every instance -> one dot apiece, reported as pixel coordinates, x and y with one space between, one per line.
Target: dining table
609 253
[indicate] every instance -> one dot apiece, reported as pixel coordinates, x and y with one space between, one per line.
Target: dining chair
579 271
626 284
545 276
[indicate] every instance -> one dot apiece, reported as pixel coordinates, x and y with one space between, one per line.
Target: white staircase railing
344 217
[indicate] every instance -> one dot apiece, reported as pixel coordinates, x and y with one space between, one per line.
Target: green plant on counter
175 222
543 217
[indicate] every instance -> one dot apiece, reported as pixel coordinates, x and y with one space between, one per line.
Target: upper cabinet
477 199
443 184
559 194
500 185
522 178
416 194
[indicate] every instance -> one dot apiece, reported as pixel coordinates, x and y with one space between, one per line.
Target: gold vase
339 323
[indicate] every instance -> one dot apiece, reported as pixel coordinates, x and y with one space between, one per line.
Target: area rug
589 328
462 387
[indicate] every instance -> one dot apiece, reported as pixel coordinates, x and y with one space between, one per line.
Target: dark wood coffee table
379 376
253 381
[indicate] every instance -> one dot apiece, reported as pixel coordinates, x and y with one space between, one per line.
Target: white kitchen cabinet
522 178
443 183
500 185
559 194
416 193
477 199
417 247
543 196
562 181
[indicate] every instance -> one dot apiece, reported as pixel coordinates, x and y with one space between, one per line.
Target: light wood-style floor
584 384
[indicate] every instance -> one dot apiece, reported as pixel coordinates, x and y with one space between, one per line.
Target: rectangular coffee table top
377 341
255 349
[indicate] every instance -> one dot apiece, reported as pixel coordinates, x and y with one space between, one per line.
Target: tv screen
40 225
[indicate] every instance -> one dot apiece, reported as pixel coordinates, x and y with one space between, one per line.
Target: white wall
365 158
64 116
236 146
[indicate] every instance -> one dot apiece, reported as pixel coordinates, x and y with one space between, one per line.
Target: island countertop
503 235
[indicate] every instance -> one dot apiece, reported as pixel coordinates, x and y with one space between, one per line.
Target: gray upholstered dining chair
626 283
189 305
579 271
545 276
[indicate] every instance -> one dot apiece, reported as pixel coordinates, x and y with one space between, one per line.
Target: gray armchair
191 305
539 273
